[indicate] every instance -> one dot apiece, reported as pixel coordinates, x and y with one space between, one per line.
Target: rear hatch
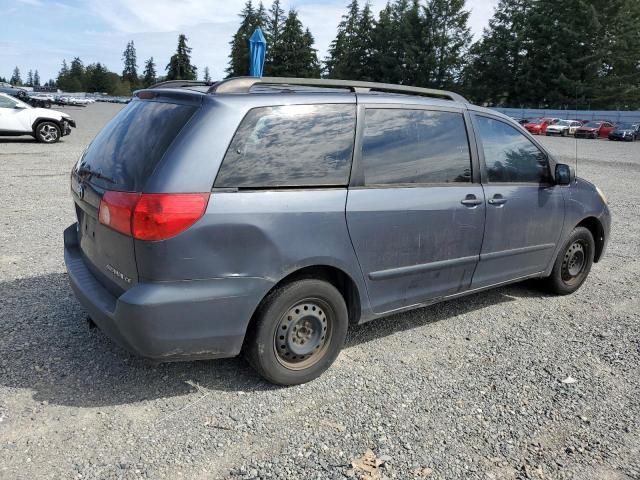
121 158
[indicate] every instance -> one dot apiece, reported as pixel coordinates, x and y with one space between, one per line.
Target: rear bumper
169 320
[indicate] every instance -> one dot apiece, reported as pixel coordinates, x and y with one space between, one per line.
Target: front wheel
47 132
299 331
573 264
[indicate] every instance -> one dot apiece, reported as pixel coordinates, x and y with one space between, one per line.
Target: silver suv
266 216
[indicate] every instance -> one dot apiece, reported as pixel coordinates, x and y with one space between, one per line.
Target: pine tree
239 57
97 78
344 60
30 78
179 67
15 78
273 28
299 58
450 40
36 79
149 75
383 57
495 68
130 71
366 28
207 75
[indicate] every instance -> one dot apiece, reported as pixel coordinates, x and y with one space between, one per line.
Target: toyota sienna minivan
266 216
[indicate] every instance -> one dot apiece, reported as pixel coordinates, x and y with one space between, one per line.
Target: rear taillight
151 216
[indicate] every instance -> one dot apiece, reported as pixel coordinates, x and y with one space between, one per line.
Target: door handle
471 201
497 200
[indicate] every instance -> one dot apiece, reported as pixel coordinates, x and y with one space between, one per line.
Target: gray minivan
267 215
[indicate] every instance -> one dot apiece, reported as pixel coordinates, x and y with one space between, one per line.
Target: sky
39 34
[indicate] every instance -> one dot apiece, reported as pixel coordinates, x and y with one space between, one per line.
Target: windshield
125 153
593 125
564 123
627 126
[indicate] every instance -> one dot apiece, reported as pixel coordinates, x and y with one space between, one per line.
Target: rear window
291 146
126 151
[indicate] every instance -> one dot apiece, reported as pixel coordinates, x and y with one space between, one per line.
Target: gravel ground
508 384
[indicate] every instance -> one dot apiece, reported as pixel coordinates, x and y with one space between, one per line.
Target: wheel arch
337 277
39 120
597 231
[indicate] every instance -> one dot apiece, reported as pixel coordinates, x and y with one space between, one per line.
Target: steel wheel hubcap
574 261
303 334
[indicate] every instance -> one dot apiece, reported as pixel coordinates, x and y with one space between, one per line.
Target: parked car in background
563 128
598 129
13 91
521 121
629 132
214 220
539 127
45 125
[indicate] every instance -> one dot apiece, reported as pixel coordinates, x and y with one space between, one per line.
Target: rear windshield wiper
88 173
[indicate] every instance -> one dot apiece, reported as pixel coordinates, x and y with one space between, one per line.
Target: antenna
575 137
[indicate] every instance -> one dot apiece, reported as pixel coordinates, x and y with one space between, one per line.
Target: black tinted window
509 155
126 151
293 145
415 146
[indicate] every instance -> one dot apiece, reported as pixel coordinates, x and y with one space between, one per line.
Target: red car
539 127
594 130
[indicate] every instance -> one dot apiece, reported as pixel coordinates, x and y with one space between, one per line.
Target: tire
564 133
573 264
47 132
298 332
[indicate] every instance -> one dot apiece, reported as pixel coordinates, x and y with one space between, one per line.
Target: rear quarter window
129 147
291 146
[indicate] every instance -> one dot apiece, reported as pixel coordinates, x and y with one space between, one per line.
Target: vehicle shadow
47 347
24 139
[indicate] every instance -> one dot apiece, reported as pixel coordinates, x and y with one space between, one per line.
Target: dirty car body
387 235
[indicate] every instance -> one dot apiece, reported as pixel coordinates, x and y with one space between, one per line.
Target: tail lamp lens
151 216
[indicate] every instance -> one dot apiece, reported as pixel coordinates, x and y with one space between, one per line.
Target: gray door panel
415 244
521 234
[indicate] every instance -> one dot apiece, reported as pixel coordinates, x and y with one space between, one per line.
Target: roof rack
244 85
181 84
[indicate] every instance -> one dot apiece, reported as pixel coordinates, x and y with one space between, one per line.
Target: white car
19 118
564 128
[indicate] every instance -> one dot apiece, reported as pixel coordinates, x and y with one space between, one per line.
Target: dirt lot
509 384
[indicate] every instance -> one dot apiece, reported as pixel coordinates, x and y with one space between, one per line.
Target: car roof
300 87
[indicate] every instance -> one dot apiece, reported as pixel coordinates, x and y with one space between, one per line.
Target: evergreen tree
207 75
149 75
239 57
299 58
447 20
36 79
179 67
344 59
384 40
496 64
30 78
97 79
15 78
130 71
366 28
273 28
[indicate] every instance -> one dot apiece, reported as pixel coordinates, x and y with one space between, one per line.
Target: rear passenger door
415 208
525 210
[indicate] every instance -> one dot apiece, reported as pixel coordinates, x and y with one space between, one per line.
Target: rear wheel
47 132
299 331
573 264
564 133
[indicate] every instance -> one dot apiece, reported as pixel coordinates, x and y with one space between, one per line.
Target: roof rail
181 84
244 84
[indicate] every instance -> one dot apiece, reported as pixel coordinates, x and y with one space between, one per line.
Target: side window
510 156
290 146
6 102
415 147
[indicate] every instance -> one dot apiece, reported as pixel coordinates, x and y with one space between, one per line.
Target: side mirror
563 174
